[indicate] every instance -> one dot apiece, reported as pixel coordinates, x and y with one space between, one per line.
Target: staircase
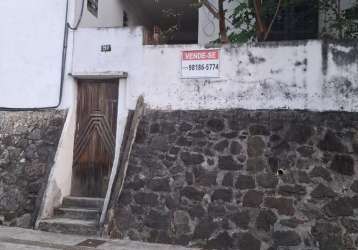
77 215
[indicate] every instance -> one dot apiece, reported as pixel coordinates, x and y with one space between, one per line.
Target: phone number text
211 66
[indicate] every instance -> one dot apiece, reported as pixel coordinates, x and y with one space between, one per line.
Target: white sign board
200 63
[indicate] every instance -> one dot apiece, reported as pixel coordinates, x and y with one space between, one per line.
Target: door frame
122 114
97 110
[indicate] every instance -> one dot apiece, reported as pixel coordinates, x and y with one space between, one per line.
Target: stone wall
28 143
247 180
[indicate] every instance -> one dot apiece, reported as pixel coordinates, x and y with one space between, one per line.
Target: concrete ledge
99 75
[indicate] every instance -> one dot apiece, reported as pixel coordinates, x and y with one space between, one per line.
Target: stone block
252 198
286 238
323 192
160 184
216 125
204 177
339 207
192 193
183 142
288 190
256 165
299 133
222 241
235 148
147 199
221 145
284 206
228 163
354 186
217 211
157 220
321 172
291 223
246 241
191 158
255 146
241 219
351 225
197 211
228 180
222 194
204 229
181 222
265 220
328 236
267 180
305 151
343 164
332 143
245 182
259 130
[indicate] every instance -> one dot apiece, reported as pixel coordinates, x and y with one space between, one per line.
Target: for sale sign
200 63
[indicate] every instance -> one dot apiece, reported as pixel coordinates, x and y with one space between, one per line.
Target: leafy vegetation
253 20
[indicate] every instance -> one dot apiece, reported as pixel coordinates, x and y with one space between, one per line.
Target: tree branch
222 23
259 23
211 9
273 20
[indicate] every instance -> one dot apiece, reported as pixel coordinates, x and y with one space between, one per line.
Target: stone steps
82 202
77 215
69 226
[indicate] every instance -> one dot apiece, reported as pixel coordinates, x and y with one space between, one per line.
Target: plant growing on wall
339 23
254 19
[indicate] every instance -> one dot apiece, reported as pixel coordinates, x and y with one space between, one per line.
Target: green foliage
243 19
342 24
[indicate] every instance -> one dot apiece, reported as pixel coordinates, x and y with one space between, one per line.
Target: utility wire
79 18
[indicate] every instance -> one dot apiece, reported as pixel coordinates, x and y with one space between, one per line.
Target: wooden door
95 137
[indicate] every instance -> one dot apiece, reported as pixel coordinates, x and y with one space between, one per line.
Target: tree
254 19
170 14
218 14
341 24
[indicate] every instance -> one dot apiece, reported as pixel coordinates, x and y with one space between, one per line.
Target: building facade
249 146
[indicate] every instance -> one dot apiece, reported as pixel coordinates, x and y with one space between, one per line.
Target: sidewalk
18 238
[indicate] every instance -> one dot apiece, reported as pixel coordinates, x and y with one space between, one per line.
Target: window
92 7
296 22
125 19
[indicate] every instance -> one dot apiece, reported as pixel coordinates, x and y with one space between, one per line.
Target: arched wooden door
95 136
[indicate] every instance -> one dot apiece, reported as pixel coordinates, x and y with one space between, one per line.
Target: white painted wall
127 51
340 91
286 75
110 14
59 181
30 67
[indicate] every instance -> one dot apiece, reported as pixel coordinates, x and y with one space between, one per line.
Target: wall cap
99 75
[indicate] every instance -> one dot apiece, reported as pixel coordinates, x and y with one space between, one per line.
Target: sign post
200 63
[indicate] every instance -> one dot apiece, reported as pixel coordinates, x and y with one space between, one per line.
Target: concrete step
77 213
82 202
69 226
